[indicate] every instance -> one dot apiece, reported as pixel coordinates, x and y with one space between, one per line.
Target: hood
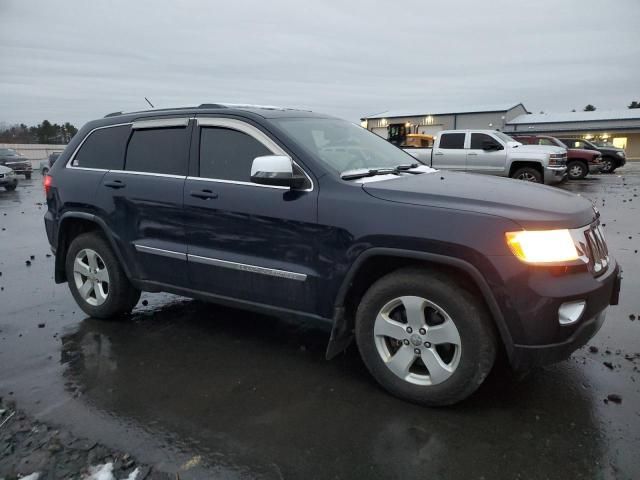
532 206
539 149
4 170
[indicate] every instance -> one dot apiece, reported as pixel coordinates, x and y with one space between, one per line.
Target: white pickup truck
494 153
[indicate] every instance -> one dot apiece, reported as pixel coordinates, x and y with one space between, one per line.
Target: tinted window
104 148
452 140
158 150
477 139
228 154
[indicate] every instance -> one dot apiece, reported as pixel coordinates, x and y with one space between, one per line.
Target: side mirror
489 145
275 170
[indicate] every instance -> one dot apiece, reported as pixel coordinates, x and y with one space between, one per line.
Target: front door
247 241
480 160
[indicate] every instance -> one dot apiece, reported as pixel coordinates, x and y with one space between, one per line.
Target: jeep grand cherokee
299 214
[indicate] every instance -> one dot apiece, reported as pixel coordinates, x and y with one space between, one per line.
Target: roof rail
212 105
112 114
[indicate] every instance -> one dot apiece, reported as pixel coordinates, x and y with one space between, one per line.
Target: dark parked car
612 157
17 162
580 161
50 161
303 215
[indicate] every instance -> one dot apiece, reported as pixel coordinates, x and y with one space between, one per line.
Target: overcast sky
77 60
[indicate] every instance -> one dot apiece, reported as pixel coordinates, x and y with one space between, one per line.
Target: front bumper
568 338
8 180
20 168
554 175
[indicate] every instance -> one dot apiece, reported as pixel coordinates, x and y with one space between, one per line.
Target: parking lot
203 390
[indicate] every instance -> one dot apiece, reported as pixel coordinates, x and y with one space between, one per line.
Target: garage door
382 131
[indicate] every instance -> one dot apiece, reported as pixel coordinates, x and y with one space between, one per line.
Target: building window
620 142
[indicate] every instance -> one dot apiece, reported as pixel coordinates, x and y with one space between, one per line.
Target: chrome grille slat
598 251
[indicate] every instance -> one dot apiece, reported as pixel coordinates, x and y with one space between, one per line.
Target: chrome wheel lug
409 330
406 342
422 331
416 351
427 344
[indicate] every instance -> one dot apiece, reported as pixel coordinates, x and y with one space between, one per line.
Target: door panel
485 161
252 243
145 213
450 153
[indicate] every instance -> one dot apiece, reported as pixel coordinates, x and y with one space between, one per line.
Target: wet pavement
207 391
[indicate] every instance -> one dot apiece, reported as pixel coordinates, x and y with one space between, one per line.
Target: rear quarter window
104 148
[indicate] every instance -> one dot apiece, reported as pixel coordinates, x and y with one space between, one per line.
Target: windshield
8 151
504 137
343 146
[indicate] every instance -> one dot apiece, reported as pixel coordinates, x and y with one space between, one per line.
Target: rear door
247 241
450 153
143 201
485 161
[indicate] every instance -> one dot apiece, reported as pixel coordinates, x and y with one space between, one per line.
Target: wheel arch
71 225
518 164
376 262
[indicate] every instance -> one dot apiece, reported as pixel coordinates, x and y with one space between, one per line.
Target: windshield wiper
406 166
366 172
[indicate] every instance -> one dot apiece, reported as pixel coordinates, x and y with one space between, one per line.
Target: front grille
598 253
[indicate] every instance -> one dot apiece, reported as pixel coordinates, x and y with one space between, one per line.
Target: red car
580 162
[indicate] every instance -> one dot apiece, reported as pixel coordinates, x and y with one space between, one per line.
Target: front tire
424 337
10 188
27 176
608 165
528 174
577 170
96 280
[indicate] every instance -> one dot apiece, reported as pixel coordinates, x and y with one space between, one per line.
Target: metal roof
445 111
598 115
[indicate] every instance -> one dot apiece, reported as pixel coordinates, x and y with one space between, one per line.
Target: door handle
204 194
438 153
115 184
472 154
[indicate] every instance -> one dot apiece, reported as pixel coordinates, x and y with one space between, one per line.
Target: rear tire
10 188
96 280
577 170
449 349
528 174
27 176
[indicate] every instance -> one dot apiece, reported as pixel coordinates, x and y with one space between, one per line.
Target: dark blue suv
294 213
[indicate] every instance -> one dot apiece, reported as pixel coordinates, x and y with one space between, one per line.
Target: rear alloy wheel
97 281
424 337
576 170
607 165
528 174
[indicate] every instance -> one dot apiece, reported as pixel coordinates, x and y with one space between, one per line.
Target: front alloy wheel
417 340
424 336
91 277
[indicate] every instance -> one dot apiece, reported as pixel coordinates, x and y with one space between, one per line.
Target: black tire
476 333
122 296
528 174
45 170
577 170
10 188
608 165
27 176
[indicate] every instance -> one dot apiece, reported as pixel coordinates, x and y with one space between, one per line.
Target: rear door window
452 140
158 150
227 154
104 149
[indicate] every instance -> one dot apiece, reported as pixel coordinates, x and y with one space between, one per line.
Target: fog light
570 312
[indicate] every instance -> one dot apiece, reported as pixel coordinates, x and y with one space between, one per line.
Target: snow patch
32 476
105 472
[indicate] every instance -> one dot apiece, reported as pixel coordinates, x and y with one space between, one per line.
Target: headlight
542 246
620 154
556 159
